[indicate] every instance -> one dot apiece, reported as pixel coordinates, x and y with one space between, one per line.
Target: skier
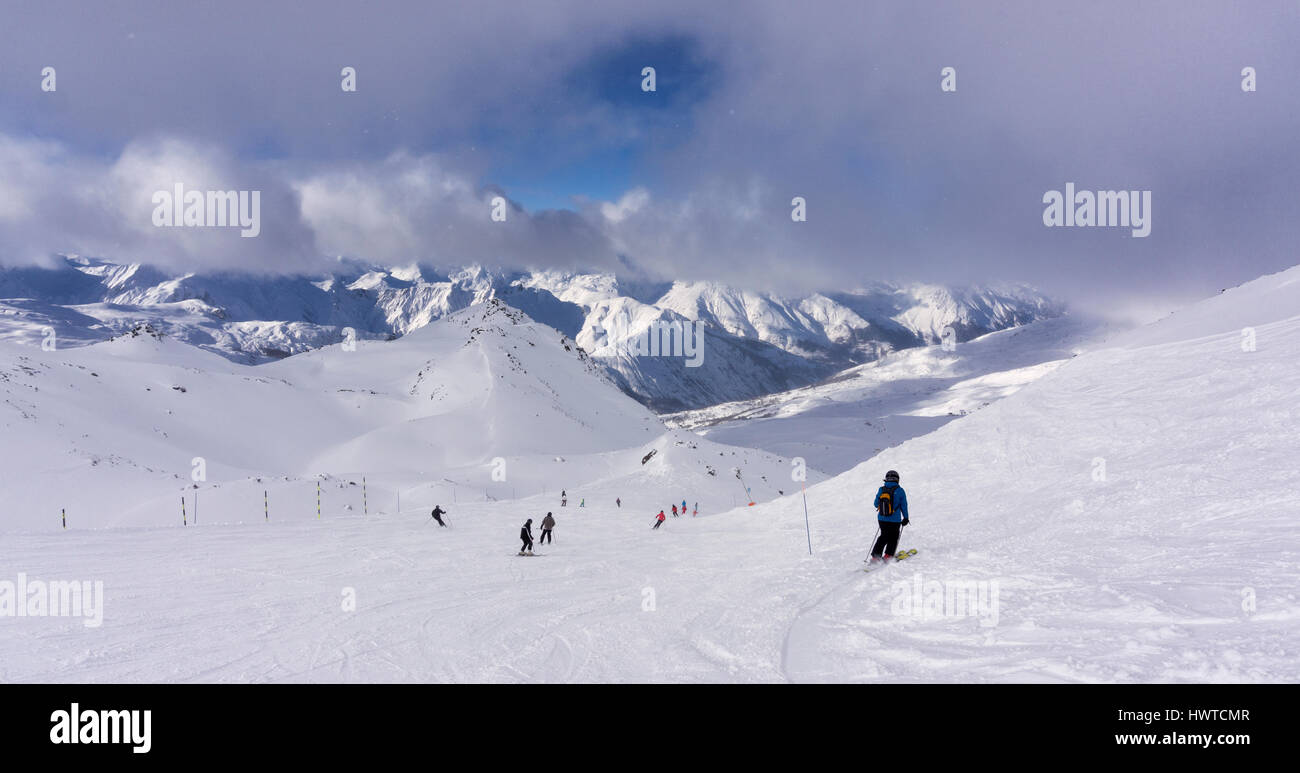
891 509
659 519
564 498
683 507
526 535
548 523
618 501
438 513
696 510
583 503
674 511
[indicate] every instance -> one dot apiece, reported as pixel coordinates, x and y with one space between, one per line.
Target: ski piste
901 556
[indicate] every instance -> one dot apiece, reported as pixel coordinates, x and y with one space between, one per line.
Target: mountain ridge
761 343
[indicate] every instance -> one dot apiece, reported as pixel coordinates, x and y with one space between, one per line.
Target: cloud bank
839 103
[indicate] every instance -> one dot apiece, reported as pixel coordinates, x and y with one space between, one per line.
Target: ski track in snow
262 603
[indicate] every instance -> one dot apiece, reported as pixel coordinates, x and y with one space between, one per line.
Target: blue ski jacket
900 504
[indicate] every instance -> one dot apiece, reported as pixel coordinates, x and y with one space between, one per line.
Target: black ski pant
438 518
528 544
887 543
546 535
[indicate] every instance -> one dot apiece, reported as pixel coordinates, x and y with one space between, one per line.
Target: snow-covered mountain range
483 402
754 343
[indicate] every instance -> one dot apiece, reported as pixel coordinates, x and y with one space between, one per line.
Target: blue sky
548 167
594 176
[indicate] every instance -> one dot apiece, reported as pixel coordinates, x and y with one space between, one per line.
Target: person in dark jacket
891 514
526 535
438 513
548 523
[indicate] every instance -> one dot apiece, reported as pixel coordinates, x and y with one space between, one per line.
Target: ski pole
807 528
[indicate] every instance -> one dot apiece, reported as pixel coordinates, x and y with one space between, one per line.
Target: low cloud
402 209
836 102
60 202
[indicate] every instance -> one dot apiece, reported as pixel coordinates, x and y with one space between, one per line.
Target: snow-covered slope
127 417
1139 508
857 413
26 321
484 403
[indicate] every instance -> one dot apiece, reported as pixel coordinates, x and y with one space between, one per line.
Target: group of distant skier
564 500
660 518
890 504
548 524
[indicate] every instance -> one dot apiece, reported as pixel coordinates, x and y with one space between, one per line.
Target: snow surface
864 410
1178 564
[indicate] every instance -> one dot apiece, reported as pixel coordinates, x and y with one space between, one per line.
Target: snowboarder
891 513
438 513
674 511
526 535
659 519
548 523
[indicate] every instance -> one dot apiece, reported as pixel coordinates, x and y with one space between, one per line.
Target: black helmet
891 476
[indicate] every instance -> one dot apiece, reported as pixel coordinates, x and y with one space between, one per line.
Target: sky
756 103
